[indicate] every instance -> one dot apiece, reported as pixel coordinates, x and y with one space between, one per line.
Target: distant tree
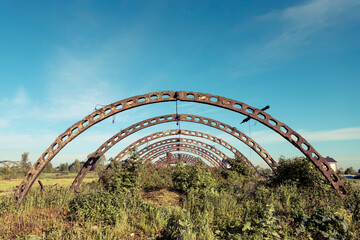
75 166
64 167
25 160
100 164
48 168
349 170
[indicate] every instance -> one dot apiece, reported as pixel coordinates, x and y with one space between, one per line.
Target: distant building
332 163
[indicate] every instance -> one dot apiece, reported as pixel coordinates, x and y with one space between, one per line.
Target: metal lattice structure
10 164
187 96
174 158
174 132
165 119
184 141
159 153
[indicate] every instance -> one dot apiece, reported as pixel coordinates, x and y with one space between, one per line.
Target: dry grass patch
163 197
36 222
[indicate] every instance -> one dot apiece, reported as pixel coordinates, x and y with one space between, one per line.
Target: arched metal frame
177 149
180 157
171 118
165 96
173 132
187 141
150 152
164 119
7 164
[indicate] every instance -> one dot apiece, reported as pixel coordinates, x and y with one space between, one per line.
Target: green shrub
198 176
299 171
122 176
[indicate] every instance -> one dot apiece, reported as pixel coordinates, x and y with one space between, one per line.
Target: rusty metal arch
215 161
182 141
173 132
177 149
165 96
165 144
7 164
182 157
171 118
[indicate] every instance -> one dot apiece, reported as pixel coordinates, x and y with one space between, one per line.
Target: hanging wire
250 136
177 116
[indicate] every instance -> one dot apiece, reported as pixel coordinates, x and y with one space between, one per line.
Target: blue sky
58 61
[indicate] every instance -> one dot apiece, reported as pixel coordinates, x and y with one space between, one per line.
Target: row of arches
165 96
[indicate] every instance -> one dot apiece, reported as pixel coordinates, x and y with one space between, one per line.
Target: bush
198 176
298 171
122 176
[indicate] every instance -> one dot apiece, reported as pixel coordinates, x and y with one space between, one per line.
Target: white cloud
304 20
288 33
343 134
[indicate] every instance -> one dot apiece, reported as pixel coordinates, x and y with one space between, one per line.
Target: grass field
7 186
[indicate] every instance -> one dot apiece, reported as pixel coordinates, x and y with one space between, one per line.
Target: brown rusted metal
146 153
8 164
164 96
174 158
41 187
183 140
171 118
173 132
177 149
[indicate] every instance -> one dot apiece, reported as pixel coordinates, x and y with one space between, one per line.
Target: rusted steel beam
8 164
164 96
183 140
149 152
180 157
177 149
174 132
171 118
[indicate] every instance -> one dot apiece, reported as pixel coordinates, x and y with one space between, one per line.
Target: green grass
7 187
179 203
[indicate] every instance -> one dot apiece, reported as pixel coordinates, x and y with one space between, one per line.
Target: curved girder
180 157
165 119
173 132
177 149
149 153
7 164
184 140
164 96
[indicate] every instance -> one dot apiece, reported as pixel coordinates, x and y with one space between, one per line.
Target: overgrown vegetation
181 202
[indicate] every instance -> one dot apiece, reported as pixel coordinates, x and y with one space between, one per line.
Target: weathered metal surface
171 118
177 149
157 147
183 140
164 96
174 158
174 132
8 164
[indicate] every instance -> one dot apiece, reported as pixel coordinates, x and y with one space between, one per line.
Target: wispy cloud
343 134
300 23
291 31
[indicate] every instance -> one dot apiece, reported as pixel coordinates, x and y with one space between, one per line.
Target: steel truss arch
173 132
177 149
165 119
147 153
7 164
174 158
186 141
165 96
